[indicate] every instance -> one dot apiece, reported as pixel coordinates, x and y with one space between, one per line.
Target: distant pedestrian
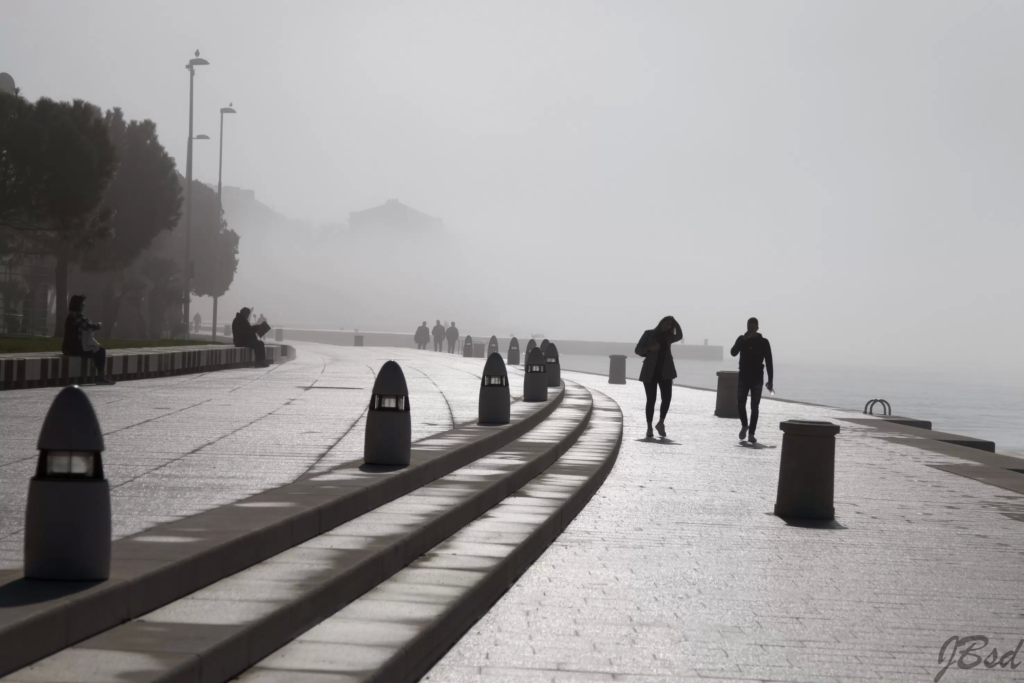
422 336
659 369
244 336
755 355
452 335
438 333
79 341
196 322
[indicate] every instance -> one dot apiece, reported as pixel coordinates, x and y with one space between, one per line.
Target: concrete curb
317 592
55 370
40 618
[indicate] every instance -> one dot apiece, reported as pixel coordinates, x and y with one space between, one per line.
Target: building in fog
393 218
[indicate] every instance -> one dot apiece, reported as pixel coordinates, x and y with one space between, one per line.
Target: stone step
220 630
172 560
398 630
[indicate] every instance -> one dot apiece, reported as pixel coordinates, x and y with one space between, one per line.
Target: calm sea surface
984 406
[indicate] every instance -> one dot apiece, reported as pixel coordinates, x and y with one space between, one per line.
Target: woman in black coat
659 369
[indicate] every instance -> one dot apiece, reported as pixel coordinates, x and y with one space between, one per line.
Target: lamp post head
198 61
227 110
201 137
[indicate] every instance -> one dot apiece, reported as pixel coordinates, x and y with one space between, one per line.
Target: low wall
570 347
27 371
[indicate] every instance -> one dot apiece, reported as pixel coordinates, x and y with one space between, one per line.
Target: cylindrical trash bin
807 470
467 347
67 519
358 340
513 352
535 380
478 349
227 330
495 401
617 370
388 423
554 368
278 334
726 402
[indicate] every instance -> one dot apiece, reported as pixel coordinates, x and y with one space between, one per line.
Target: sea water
984 405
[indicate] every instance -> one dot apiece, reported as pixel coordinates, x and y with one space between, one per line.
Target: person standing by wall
438 336
422 336
755 355
659 369
452 334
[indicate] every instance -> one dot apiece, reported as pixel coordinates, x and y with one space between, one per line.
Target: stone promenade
674 571
677 571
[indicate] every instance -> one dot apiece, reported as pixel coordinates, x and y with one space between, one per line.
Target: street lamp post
220 170
191 66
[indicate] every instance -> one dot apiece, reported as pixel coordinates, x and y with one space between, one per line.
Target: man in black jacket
755 355
438 333
245 337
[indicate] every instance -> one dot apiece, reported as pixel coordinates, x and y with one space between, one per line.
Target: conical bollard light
535 381
388 438
495 400
67 519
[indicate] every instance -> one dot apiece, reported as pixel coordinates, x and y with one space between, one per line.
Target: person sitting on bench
245 337
78 339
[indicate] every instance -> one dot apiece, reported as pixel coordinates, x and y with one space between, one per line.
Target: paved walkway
676 571
177 446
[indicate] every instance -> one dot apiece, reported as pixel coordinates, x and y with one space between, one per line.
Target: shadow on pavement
21 592
378 469
666 441
830 524
753 446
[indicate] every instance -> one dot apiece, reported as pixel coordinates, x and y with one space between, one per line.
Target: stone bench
31 370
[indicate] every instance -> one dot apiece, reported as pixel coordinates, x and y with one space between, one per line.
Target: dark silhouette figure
78 339
438 333
452 335
196 322
755 354
659 369
422 336
244 336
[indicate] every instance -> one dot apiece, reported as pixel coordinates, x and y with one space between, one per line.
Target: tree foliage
144 195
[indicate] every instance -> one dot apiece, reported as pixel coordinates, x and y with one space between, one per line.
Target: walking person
659 369
422 336
755 355
438 333
79 341
197 321
452 335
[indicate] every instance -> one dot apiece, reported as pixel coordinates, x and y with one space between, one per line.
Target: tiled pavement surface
676 571
179 445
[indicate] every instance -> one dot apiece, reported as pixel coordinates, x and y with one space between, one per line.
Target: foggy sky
849 172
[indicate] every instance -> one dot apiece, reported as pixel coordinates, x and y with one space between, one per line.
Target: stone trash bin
807 470
617 370
728 390
279 335
358 340
478 349
513 352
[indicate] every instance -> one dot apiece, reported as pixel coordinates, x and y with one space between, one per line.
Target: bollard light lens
389 403
70 464
495 380
552 360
